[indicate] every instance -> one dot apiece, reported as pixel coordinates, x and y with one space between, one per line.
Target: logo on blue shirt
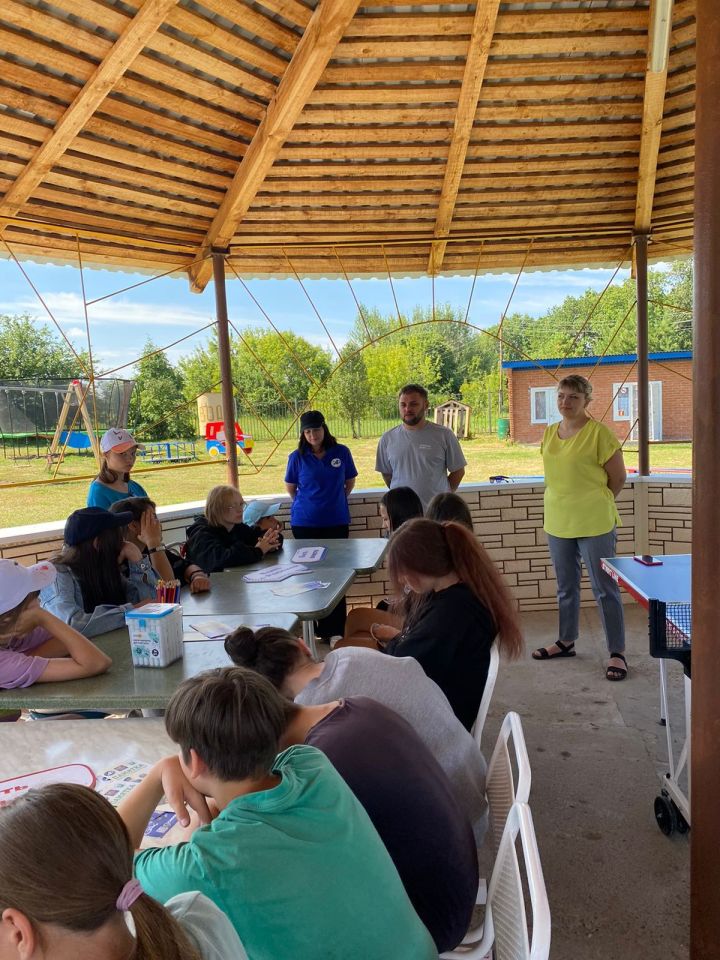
336 462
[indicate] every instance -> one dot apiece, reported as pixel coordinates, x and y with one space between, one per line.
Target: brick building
532 386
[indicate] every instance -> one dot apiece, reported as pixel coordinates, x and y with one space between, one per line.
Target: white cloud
67 307
75 332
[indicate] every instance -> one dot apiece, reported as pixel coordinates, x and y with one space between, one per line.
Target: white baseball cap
118 440
16 581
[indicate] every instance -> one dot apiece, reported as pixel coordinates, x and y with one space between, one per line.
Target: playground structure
455 416
215 439
45 417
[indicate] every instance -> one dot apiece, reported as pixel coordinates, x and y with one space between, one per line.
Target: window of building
622 403
543 405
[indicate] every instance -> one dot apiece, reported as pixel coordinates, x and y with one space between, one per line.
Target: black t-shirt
451 640
410 801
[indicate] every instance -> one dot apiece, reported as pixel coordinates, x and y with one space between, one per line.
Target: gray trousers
566 553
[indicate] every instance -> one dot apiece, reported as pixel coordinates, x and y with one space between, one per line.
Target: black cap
87 523
311 419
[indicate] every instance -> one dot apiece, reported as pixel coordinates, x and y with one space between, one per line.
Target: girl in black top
459 605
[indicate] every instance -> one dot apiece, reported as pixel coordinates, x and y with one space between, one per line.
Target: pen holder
156 634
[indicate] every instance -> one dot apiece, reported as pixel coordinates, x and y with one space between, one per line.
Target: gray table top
286 621
123 686
363 554
231 594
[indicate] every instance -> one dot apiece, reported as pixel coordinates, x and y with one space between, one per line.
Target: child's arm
72 655
165 777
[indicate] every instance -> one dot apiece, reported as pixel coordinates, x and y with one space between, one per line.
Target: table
666 584
123 687
230 594
285 621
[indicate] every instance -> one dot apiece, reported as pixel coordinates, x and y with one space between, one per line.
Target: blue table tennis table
665 592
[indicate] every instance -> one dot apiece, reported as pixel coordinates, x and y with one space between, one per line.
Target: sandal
616 673
566 650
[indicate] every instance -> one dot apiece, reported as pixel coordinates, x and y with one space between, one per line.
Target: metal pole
643 378
228 402
705 753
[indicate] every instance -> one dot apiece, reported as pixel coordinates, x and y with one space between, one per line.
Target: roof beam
483 29
322 34
653 105
118 60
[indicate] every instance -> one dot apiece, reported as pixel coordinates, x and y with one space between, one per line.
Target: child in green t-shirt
287 826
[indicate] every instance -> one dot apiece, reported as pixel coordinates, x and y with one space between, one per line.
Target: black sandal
616 673
566 650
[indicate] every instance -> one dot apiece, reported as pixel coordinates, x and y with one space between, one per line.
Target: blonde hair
11 617
575 382
218 501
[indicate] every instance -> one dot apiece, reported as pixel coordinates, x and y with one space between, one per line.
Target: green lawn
486 456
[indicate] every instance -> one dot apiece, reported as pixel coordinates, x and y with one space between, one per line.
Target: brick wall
507 520
676 397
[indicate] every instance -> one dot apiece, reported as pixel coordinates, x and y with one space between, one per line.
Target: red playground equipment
215 439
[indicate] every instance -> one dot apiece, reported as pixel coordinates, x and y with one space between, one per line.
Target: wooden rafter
483 29
321 36
116 62
653 105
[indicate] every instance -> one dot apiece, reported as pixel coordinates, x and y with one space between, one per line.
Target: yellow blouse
578 501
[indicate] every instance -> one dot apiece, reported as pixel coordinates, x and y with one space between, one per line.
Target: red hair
433 549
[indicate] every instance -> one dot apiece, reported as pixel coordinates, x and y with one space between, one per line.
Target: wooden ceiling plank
481 37
512 22
326 27
506 46
116 62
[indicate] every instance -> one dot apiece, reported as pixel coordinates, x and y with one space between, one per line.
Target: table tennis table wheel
668 817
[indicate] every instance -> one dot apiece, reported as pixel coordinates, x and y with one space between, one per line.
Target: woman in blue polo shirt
320 474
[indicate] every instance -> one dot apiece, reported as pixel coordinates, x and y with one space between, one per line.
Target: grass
486 457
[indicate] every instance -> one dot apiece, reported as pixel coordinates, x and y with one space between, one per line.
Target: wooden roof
337 136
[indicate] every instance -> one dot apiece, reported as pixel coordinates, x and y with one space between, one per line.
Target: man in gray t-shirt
417 453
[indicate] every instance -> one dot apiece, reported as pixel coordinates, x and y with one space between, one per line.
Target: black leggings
333 625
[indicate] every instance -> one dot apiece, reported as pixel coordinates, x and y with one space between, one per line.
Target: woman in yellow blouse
584 472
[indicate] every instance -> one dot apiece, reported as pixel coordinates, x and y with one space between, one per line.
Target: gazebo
315 138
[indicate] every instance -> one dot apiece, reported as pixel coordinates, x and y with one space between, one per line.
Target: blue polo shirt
320 500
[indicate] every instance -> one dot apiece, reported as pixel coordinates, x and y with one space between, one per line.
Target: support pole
643 377
705 752
228 401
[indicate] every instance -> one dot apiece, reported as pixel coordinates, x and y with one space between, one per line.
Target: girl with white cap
119 449
35 646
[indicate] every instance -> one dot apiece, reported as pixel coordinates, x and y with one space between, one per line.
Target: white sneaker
334 640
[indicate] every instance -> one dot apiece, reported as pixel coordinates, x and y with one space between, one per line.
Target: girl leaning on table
66 831
36 647
99 574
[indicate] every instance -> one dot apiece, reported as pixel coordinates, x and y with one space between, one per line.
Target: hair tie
128 895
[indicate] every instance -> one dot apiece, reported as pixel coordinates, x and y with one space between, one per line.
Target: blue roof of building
591 361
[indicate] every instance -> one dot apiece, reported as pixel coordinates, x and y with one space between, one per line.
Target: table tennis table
664 590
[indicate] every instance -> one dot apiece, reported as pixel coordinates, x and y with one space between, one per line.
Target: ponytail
158 934
433 549
270 651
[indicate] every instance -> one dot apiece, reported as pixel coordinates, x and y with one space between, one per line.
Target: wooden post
228 401
643 377
705 753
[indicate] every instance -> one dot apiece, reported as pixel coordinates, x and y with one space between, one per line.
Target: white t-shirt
401 684
420 458
207 926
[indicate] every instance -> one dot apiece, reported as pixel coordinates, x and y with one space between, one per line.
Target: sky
165 310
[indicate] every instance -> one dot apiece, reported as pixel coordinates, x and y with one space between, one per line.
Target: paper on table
293 589
273 574
309 554
67 773
117 782
212 629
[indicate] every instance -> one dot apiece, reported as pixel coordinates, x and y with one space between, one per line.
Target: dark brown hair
137 506
327 441
232 717
95 564
449 508
65 855
270 651
10 617
401 504
106 475
437 549
413 388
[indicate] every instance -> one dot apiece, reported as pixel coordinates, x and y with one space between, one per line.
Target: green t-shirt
578 501
299 870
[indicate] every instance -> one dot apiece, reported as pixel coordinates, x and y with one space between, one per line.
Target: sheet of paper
274 574
293 589
212 629
309 554
67 773
117 782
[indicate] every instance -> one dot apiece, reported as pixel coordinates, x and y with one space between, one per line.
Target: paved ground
617 887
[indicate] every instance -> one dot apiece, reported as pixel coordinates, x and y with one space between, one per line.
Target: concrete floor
618 888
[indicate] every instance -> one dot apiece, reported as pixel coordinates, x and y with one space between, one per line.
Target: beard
413 421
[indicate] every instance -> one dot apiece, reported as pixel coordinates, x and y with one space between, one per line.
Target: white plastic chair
505 935
478 726
500 786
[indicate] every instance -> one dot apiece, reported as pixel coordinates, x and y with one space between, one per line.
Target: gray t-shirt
420 459
401 684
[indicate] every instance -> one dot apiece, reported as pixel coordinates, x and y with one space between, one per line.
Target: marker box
156 634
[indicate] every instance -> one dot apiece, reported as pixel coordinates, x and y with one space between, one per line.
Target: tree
349 390
29 350
157 395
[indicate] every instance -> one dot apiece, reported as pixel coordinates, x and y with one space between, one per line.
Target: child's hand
383 632
269 541
199 582
181 794
150 529
129 552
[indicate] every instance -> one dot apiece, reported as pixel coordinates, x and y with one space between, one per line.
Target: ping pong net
671 631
